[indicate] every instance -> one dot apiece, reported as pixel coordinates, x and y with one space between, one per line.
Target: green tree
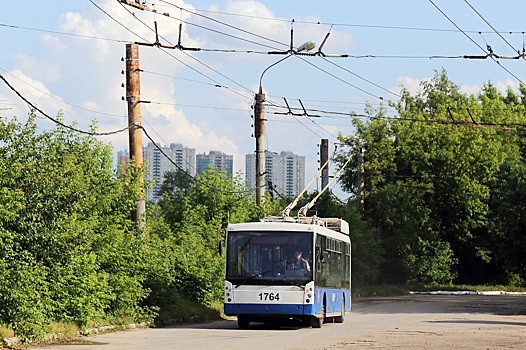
69 251
429 175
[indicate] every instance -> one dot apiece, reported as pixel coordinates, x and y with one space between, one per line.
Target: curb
12 341
468 292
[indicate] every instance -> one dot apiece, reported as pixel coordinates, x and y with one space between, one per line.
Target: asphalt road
409 322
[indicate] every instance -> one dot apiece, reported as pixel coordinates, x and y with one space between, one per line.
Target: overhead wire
340 79
60 33
226 24
190 56
473 41
344 24
60 100
56 121
489 24
209 29
362 78
116 21
93 133
230 50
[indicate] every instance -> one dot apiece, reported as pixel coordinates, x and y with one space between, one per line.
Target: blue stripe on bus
268 309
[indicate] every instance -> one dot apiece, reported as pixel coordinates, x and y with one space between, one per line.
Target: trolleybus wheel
341 318
317 322
243 322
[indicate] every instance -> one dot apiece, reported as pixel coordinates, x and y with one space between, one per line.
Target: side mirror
220 248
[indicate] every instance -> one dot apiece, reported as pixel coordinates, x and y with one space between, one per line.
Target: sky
65 56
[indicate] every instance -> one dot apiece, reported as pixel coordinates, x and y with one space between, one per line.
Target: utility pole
133 98
259 134
324 156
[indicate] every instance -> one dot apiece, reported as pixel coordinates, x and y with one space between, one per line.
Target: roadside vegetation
444 197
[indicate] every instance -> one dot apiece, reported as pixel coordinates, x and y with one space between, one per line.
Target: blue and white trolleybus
286 268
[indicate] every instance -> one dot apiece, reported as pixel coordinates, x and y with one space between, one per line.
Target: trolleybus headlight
307 301
309 295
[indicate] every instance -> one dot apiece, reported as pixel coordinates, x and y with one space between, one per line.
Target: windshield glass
269 257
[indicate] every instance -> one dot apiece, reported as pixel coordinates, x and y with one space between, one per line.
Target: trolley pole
259 134
324 156
361 182
133 98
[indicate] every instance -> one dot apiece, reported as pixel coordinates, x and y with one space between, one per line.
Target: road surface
408 322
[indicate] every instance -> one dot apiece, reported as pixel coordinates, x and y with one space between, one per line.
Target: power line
60 100
196 106
238 51
362 78
500 35
60 33
208 29
226 24
354 25
58 122
340 79
116 21
471 39
180 61
91 133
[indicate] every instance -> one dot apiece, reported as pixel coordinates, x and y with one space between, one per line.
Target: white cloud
502 86
413 85
38 69
472 89
258 18
53 42
36 92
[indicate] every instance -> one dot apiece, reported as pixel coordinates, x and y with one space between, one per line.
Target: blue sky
61 72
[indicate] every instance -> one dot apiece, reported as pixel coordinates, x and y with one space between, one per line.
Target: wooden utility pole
324 156
133 98
259 134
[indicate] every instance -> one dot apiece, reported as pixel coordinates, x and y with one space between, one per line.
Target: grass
179 310
6 332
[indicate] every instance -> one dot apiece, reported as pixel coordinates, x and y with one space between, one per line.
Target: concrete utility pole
259 134
259 122
324 156
133 97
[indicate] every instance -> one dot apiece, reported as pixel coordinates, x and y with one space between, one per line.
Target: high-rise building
123 158
157 165
217 160
286 172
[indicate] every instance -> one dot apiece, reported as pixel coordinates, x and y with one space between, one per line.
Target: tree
69 251
429 176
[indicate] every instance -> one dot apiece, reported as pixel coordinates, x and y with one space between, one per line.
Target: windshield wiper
253 276
292 283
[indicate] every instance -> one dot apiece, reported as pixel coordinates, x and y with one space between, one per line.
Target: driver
300 263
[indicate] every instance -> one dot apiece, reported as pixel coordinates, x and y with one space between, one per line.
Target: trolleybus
263 284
